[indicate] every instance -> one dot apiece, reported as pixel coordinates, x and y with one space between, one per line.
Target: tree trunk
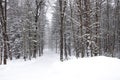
4 27
87 23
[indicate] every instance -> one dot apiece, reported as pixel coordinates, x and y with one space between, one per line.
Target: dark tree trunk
3 15
61 29
87 22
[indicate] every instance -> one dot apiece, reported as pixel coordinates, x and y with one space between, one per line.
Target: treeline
81 28
86 28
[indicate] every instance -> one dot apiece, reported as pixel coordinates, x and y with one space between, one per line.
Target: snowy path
48 67
37 69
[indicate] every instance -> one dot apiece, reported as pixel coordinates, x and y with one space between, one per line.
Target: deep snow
48 67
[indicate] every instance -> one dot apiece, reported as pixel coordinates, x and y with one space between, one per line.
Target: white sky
50 10
49 18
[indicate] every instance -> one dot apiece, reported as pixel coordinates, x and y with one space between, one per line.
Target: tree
117 23
3 9
62 4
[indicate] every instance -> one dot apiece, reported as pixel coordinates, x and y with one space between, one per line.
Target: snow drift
48 67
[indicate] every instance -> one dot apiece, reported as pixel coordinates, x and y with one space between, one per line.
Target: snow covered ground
48 67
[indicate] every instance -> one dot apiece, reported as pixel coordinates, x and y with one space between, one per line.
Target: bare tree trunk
56 42
72 26
65 47
117 25
69 46
61 29
0 56
62 4
108 29
87 23
81 26
4 27
35 36
96 52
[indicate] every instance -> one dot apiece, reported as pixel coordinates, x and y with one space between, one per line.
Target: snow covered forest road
48 67
37 69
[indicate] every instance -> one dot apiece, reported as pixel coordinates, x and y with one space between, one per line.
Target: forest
80 28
